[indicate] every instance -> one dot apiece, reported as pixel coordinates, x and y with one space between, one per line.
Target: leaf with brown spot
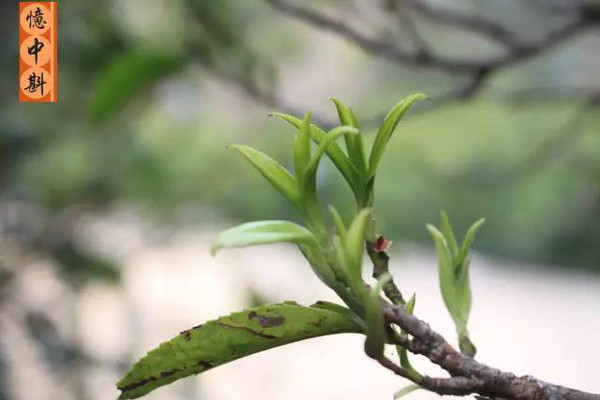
229 338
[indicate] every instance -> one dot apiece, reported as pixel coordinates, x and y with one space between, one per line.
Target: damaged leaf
229 338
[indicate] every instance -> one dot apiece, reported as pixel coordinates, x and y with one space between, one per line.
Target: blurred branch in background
518 47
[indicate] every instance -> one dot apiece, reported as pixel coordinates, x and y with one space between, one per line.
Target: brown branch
476 377
380 260
406 22
477 72
385 49
378 47
474 23
467 375
458 386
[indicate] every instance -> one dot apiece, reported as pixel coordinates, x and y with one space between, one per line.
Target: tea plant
334 249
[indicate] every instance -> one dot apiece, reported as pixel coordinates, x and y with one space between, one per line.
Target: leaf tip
335 101
433 231
421 96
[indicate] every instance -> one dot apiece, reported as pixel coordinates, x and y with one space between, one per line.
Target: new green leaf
354 245
229 338
279 177
311 169
469 237
302 149
454 276
334 152
338 222
450 292
448 233
387 128
406 390
403 353
354 144
376 335
263 232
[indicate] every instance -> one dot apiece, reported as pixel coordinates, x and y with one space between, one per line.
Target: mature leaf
273 171
263 232
230 338
337 156
326 305
387 128
376 335
131 74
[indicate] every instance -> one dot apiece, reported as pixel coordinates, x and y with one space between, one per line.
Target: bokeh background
110 198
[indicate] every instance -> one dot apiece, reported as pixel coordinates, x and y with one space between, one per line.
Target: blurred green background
152 92
149 99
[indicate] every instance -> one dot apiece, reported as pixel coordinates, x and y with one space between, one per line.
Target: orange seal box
38 44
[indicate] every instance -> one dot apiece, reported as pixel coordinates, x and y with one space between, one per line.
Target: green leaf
338 222
343 112
326 305
308 189
446 272
449 234
273 171
406 390
302 149
376 335
355 121
311 169
263 232
387 128
342 260
131 74
354 144
229 338
409 308
337 156
354 246
469 237
404 360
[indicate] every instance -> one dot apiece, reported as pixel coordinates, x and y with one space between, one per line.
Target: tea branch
468 375
337 260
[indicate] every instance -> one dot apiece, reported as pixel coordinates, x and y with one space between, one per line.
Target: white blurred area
526 319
